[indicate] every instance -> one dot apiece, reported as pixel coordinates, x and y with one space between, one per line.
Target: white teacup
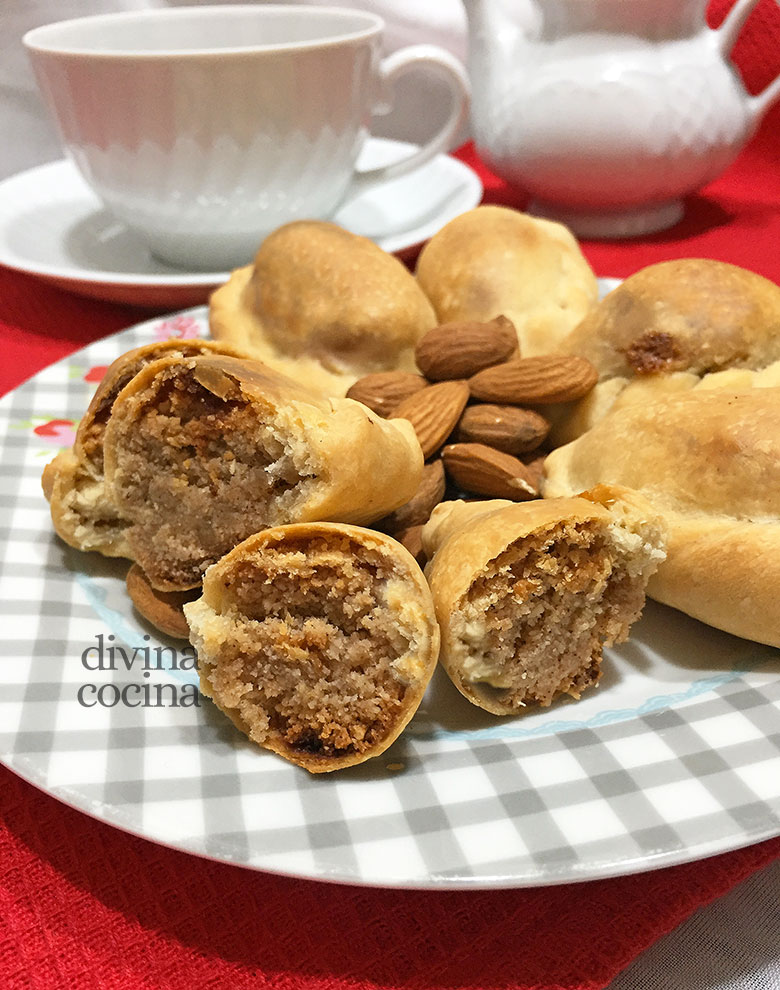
204 128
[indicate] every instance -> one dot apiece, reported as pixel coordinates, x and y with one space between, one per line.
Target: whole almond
508 428
411 538
434 412
384 390
416 511
485 471
162 608
534 467
535 380
459 350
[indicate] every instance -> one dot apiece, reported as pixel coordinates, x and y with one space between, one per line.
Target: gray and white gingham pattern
676 756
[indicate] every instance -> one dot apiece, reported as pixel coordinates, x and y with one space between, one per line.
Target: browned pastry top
691 314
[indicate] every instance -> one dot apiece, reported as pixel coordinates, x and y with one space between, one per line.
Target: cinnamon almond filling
311 644
533 625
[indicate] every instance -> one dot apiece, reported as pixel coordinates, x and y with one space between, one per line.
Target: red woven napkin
86 907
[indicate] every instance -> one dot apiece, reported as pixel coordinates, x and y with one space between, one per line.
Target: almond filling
94 520
534 625
196 474
310 647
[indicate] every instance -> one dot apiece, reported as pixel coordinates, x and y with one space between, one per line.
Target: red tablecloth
85 906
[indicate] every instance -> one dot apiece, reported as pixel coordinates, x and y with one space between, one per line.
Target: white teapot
608 112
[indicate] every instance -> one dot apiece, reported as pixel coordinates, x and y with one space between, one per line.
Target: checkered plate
675 757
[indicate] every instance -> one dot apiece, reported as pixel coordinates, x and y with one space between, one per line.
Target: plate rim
607 869
111 814
183 280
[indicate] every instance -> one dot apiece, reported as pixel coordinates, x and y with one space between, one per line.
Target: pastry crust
571 421
493 261
709 460
317 640
669 326
73 482
323 306
201 452
527 595
691 314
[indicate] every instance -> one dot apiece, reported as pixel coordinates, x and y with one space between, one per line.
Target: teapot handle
727 35
732 24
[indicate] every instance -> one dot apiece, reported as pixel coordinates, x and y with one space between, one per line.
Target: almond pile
469 408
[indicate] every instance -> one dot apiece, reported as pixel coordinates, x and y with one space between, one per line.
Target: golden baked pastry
691 314
202 452
317 640
82 513
324 306
709 461
667 326
571 421
527 595
493 261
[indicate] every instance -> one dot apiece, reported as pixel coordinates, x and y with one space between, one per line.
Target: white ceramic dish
609 114
673 758
214 125
53 226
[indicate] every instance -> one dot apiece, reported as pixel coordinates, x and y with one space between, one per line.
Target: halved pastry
317 640
202 452
73 482
529 594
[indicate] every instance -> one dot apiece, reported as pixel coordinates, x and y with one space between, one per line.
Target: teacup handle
446 67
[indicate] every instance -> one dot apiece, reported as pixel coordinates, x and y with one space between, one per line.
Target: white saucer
53 226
